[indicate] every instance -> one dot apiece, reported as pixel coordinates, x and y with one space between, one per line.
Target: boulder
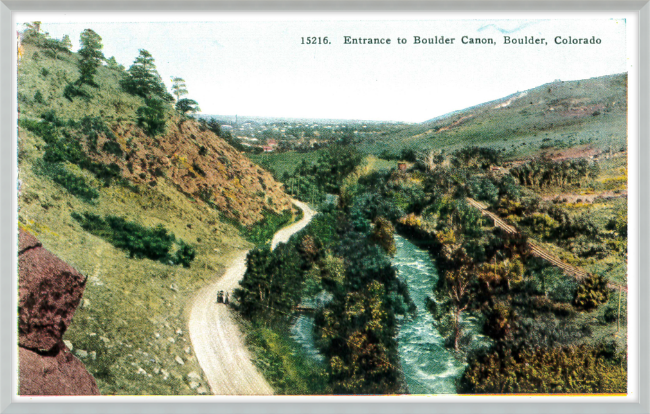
49 293
57 374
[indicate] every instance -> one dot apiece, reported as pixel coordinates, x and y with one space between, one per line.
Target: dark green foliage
272 284
152 243
479 157
544 173
619 223
64 145
91 57
187 105
185 254
72 91
213 126
50 47
483 189
310 182
44 72
112 147
544 330
592 292
262 232
111 63
408 154
283 362
358 328
76 185
142 79
38 97
152 117
92 127
359 345
196 167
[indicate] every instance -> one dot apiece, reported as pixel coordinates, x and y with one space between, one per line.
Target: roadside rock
58 374
49 292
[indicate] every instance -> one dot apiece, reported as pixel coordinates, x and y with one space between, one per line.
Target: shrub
592 293
75 185
152 243
112 147
185 254
71 91
38 97
152 117
262 232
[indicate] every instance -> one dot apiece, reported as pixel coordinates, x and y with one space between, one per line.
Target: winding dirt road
217 340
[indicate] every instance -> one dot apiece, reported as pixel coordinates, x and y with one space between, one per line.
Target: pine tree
66 42
187 105
142 79
179 88
91 57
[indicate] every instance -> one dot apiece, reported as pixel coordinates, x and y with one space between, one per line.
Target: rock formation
49 293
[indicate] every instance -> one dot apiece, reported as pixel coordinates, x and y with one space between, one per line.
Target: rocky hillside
197 162
148 218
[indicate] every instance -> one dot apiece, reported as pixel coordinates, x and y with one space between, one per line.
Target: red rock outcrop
60 374
49 293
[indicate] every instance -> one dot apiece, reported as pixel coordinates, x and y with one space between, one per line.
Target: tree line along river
428 366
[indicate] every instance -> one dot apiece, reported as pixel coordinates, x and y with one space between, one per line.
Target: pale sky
237 64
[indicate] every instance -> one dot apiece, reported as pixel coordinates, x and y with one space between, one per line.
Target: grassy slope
130 331
557 111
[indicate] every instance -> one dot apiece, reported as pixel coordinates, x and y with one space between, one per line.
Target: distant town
276 134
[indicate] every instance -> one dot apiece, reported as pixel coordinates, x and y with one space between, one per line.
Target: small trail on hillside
217 340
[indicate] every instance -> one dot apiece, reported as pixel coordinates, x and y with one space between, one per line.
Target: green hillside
149 216
591 112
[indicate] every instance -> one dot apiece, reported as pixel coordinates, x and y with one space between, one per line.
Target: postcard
325 205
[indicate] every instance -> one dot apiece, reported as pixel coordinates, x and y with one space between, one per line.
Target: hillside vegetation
587 113
551 164
140 198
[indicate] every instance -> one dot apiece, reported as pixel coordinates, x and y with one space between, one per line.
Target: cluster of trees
50 47
528 308
214 126
356 329
153 243
141 79
544 173
311 181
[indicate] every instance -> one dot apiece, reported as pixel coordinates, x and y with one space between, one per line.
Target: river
429 367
